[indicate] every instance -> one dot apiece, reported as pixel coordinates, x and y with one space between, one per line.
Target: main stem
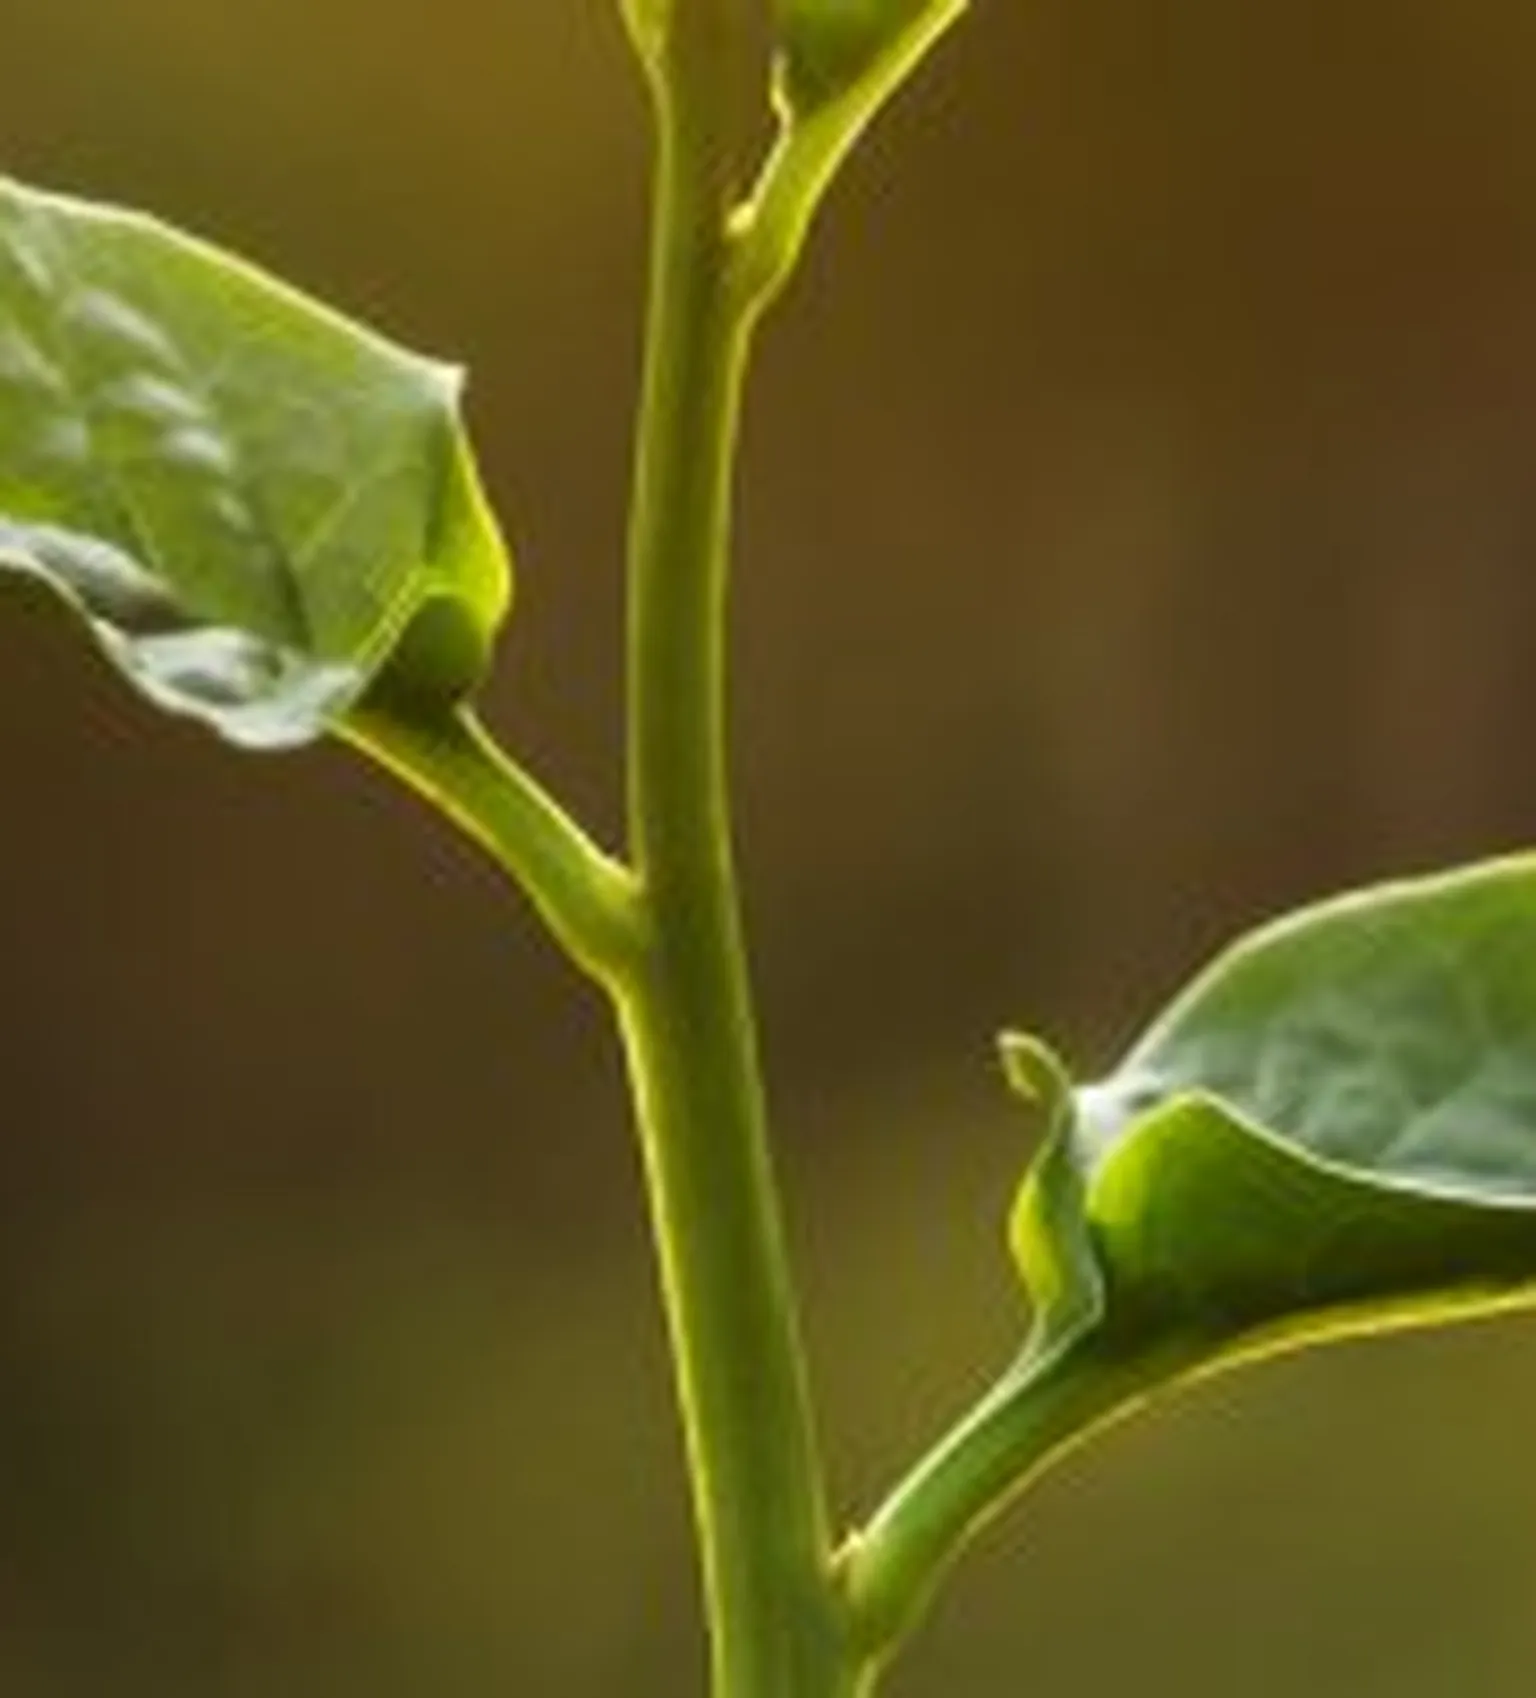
775 1615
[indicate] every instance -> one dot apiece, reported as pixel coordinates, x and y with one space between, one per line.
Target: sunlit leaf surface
1333 1129
252 502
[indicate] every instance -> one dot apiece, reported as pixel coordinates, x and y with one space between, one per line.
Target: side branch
586 898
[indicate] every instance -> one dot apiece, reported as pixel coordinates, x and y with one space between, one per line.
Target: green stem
1044 1406
774 1611
588 900
812 146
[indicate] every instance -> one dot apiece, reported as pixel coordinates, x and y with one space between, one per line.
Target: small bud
828 46
646 21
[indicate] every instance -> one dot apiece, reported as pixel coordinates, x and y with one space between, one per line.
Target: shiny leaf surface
1332 1130
256 506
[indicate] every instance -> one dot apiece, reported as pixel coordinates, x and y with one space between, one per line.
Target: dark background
1138 535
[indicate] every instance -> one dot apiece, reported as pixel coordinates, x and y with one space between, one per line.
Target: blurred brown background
1139 534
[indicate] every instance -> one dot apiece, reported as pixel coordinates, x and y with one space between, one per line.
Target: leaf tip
1036 1073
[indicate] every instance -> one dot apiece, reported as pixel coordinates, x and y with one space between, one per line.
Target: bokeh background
1138 535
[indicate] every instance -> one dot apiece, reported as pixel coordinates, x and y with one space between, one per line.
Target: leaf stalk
587 899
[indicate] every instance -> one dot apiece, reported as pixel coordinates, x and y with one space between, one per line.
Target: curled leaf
1332 1130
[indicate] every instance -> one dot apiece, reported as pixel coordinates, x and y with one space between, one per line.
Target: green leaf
257 507
1333 1130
